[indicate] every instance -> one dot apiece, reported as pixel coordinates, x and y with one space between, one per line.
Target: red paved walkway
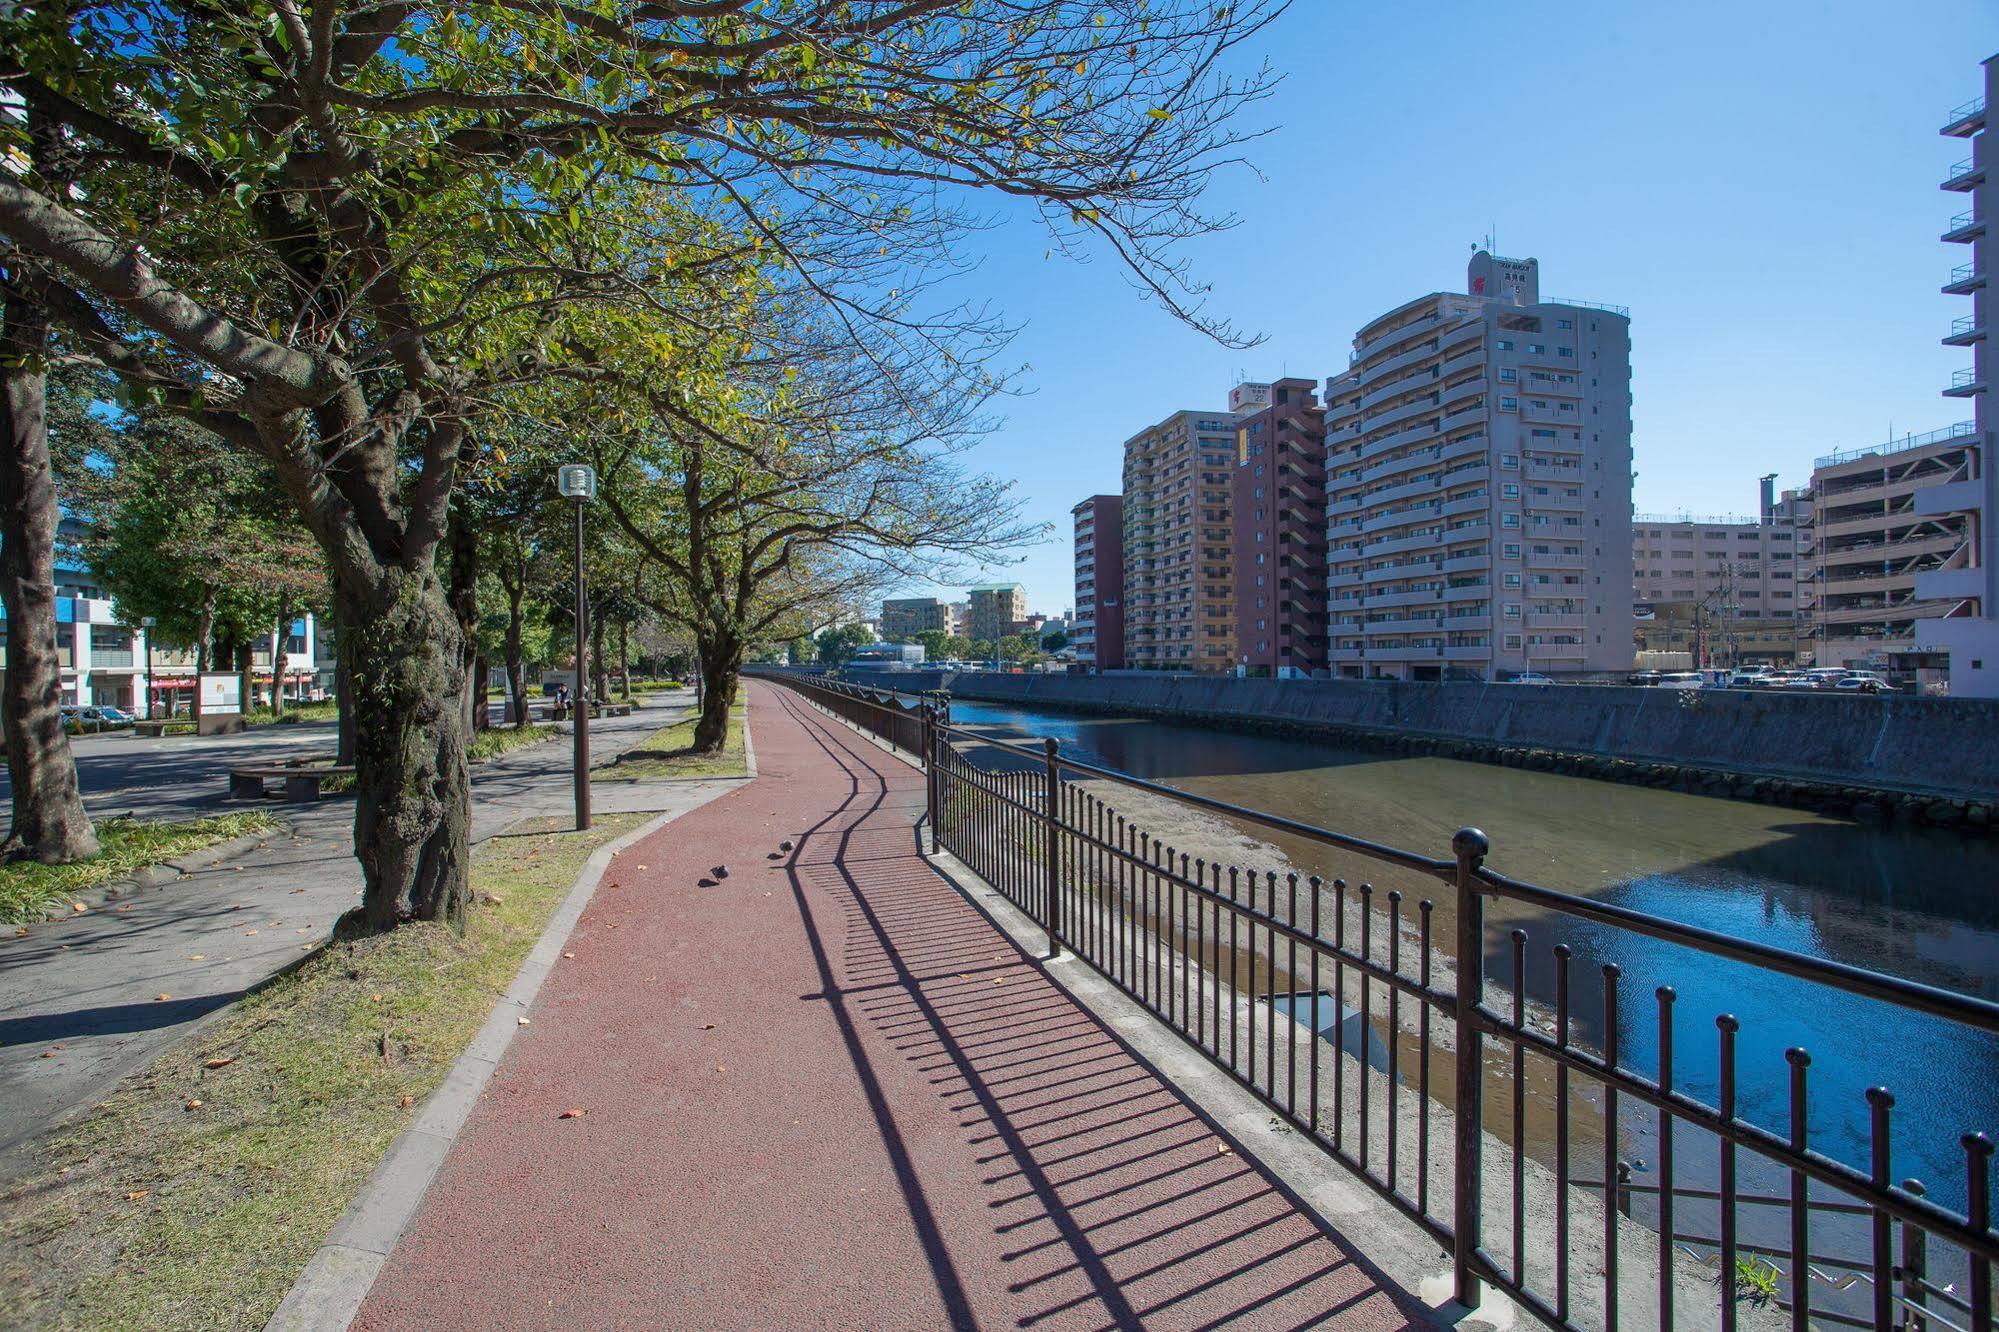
826 1092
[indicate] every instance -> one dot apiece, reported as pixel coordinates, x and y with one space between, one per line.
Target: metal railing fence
1450 1097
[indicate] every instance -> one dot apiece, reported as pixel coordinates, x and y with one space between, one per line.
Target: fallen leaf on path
305 948
136 1194
374 998
1223 1149
707 1026
220 1061
79 906
249 932
194 1105
197 957
408 1101
18 933
523 1021
571 1114
158 997
126 907
48 1054
569 955
721 1068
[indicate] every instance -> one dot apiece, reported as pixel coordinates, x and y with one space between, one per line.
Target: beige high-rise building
994 610
1479 486
903 618
1178 559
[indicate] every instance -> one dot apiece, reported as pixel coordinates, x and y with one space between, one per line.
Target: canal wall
1927 760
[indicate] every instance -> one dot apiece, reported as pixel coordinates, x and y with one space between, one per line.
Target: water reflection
1919 903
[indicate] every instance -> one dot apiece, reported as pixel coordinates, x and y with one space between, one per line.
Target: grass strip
325 710
195 1194
668 752
497 740
31 891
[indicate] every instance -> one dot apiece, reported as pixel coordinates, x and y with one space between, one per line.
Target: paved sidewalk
89 988
825 1091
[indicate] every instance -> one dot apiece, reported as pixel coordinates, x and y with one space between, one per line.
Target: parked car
1642 678
116 716
1531 677
1755 678
1863 684
1681 680
1806 682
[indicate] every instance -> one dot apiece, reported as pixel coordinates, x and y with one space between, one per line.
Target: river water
1915 902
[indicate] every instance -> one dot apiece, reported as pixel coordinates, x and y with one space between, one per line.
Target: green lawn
497 740
665 754
325 710
195 1193
29 891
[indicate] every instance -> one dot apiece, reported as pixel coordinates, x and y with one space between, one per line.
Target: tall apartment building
1966 582
1096 632
1279 525
1178 579
1725 590
903 618
1479 485
1879 537
994 610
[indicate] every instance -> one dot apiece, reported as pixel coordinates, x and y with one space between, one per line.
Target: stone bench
302 778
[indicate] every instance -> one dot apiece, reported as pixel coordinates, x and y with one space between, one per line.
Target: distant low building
994 610
1097 634
887 655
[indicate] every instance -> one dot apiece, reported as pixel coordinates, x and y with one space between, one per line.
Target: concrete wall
1949 746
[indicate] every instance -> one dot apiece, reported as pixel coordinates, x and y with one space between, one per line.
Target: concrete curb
328 1293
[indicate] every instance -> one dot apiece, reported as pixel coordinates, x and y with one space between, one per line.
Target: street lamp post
578 481
146 623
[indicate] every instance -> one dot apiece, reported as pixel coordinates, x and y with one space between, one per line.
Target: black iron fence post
1051 857
1469 845
930 770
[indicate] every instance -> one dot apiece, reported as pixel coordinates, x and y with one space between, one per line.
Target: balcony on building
1964 384
1965 176
1965 120
1964 279
1964 331
1964 228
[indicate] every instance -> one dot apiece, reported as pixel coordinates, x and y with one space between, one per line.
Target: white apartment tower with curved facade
1479 486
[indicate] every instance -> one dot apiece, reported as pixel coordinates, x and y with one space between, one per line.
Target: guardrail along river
1915 902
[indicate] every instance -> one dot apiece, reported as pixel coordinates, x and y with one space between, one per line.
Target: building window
1509 460
1508 375
1509 404
1536 348
1509 520
1511 550
1511 610
1565 323
1503 345
1565 351
1512 580
1513 641
1511 490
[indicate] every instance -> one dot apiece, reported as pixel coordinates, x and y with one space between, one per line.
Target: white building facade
1479 486
1969 583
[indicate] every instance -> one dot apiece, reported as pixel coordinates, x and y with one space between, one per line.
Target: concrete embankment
1927 760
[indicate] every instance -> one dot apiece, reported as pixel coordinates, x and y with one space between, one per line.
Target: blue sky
1757 182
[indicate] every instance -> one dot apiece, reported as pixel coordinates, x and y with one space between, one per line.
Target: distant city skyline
1759 187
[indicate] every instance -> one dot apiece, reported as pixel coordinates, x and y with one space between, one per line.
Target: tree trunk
463 545
343 703
481 695
412 822
204 652
517 683
600 679
49 820
624 661
246 677
280 635
719 664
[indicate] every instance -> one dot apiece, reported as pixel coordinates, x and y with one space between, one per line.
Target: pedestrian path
823 1090
87 999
